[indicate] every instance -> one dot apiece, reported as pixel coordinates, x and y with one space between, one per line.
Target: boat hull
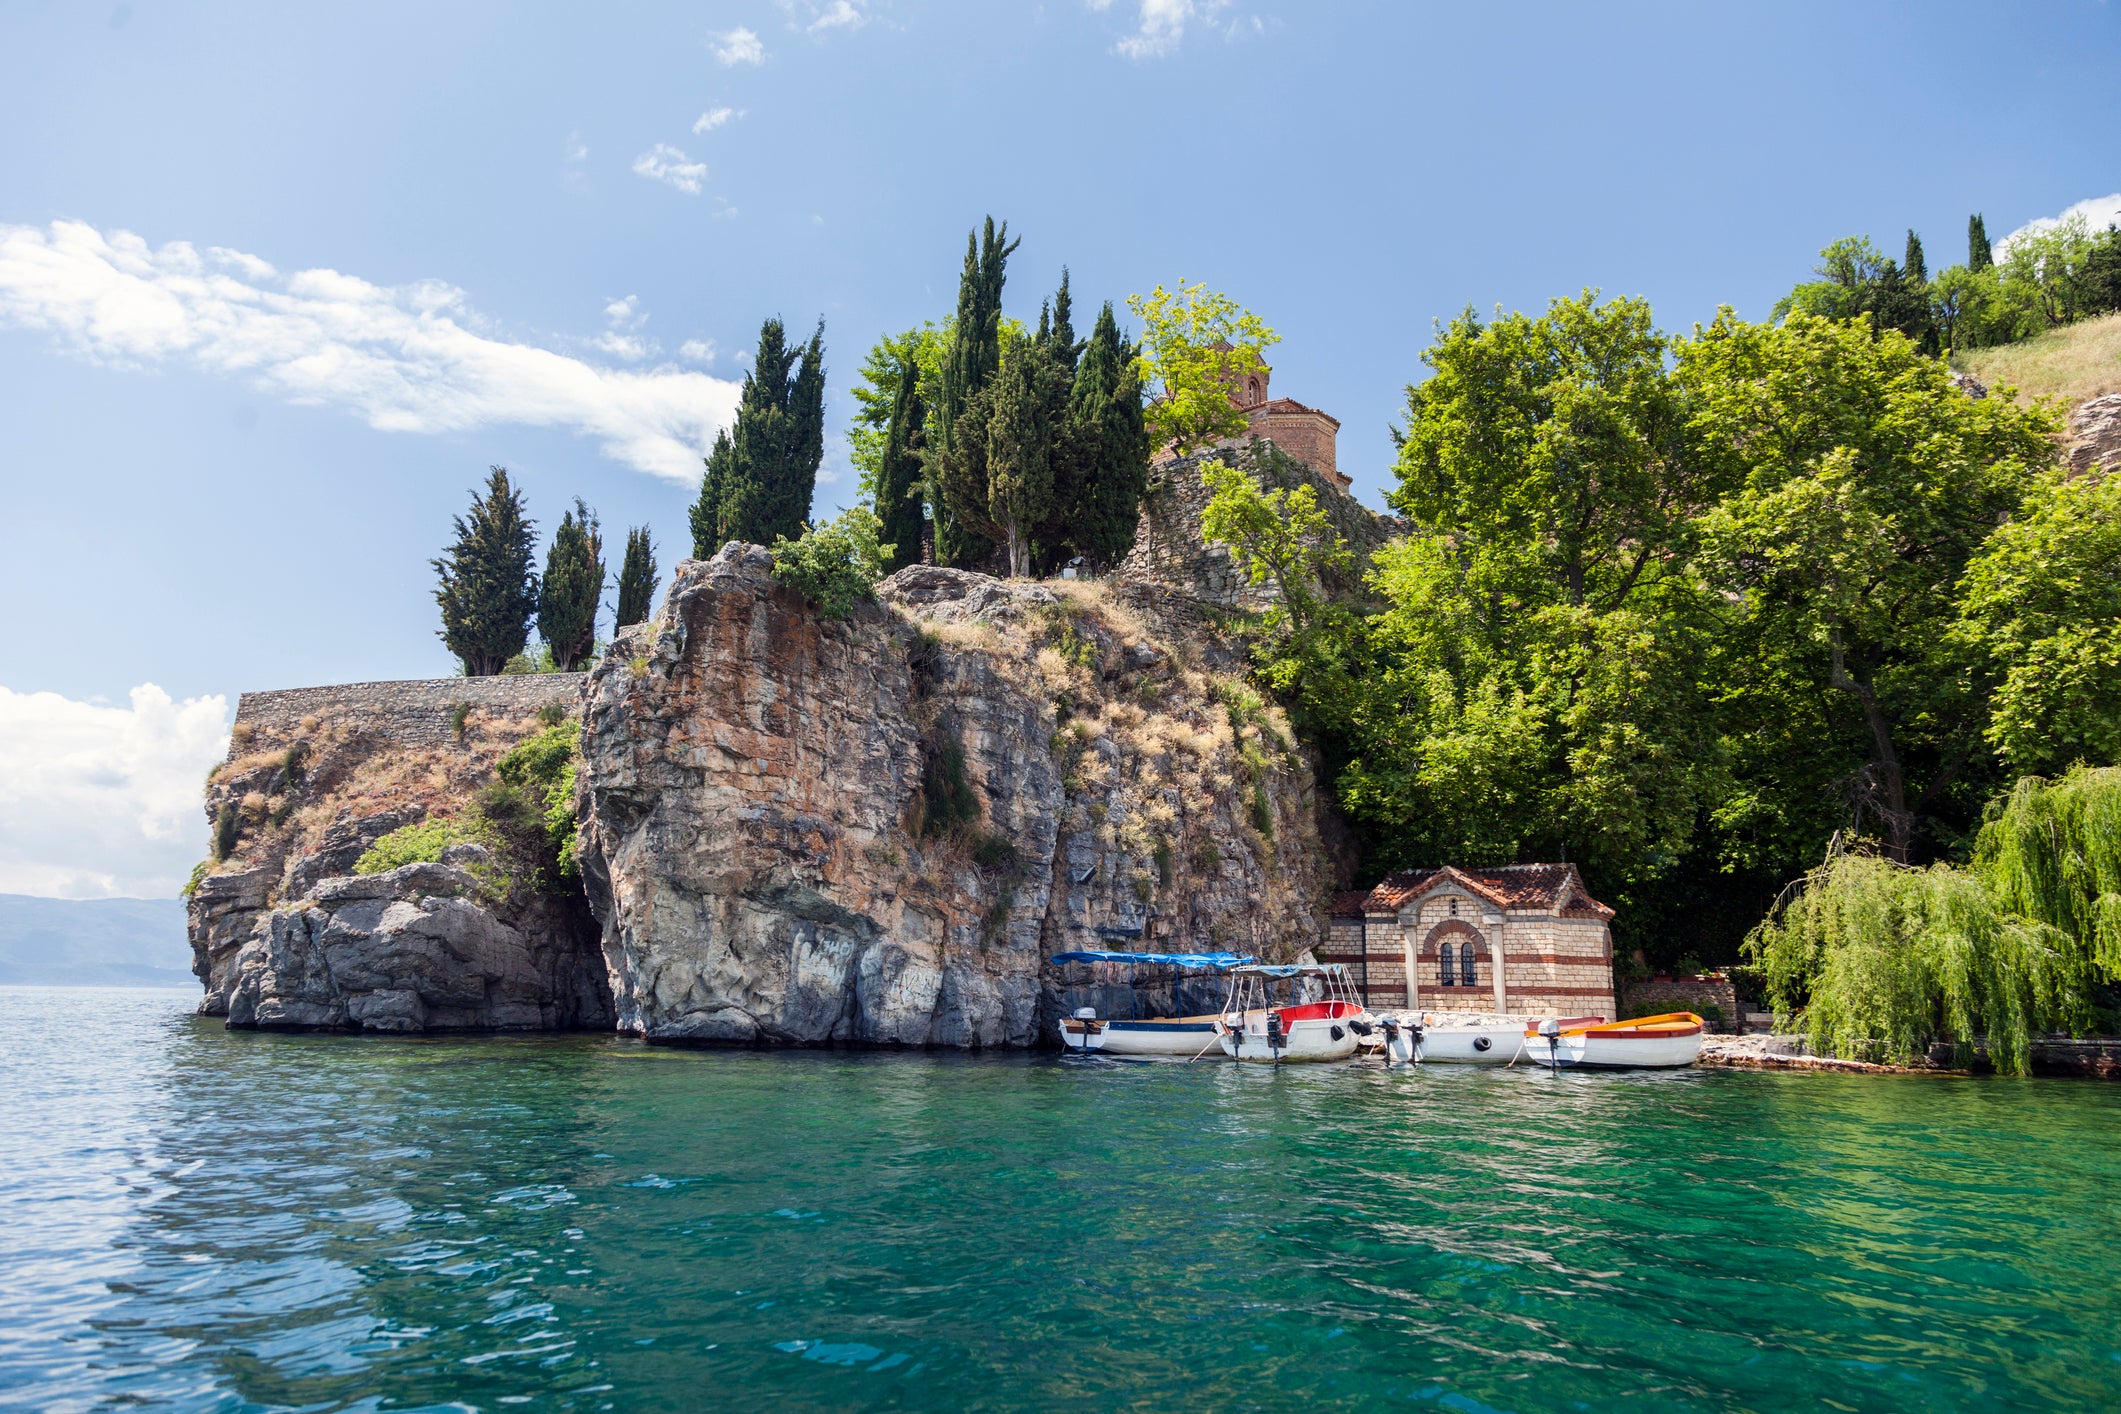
1471 1045
1614 1052
1081 1037
1180 1037
1307 1040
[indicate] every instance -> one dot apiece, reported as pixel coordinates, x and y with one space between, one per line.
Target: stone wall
1170 559
1695 994
414 713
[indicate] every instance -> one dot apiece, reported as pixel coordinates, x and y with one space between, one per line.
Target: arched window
1468 969
1446 974
1252 391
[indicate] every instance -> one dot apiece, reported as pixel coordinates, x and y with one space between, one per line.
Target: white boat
1667 1042
1327 1028
1181 1036
1502 1041
1082 1033
1120 1029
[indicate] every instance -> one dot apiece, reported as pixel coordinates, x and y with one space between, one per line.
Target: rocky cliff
792 830
877 830
284 935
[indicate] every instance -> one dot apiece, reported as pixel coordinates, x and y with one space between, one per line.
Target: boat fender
1338 1033
1482 1043
1359 1027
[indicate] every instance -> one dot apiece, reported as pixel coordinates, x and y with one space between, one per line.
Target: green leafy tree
997 475
572 588
1862 485
1979 254
901 507
489 586
876 392
2041 605
762 472
636 578
1110 440
1533 683
1914 266
1197 346
835 565
970 361
1857 280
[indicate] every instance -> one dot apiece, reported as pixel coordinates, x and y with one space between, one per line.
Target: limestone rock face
877 830
415 949
2095 434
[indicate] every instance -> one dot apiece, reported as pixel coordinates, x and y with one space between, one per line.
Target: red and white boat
1327 1027
1670 1041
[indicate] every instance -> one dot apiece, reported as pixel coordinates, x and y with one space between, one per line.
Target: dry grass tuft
2074 363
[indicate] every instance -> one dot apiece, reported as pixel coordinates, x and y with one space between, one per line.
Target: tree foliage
636 578
1110 440
763 470
1883 959
972 357
489 586
1197 346
2052 853
836 564
572 588
1863 482
2040 608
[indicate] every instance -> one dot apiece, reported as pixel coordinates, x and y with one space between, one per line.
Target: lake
197 1219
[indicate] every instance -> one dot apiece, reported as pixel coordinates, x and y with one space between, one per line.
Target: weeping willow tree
2053 853
1883 959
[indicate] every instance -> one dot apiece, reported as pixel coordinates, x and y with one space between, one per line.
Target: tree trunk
1881 781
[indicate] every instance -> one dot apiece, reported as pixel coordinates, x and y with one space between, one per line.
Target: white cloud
399 357
664 163
1159 25
104 801
839 14
738 46
2098 212
697 351
577 150
714 118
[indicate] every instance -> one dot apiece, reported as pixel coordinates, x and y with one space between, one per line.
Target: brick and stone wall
416 712
1695 994
1550 963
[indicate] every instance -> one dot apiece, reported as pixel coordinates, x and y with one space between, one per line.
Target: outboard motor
1551 1030
1276 1042
1082 1038
1391 1026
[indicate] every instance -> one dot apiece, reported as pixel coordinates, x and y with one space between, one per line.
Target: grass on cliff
2076 362
525 816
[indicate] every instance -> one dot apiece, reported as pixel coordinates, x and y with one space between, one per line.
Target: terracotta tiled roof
1348 904
1273 405
1522 886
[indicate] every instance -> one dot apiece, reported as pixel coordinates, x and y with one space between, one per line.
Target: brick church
1306 433
1523 940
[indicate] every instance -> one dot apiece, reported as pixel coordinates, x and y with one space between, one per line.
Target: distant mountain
104 942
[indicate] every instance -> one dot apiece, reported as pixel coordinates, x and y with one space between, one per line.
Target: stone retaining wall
1695 994
416 712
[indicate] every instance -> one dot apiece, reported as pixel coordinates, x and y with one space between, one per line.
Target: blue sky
539 247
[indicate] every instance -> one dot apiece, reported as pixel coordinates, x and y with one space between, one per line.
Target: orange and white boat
1666 1042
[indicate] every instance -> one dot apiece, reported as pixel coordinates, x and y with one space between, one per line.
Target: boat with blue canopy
1143 1004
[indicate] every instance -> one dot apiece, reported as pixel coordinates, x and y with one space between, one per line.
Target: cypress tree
1066 350
572 589
489 586
1978 254
1111 446
762 472
898 502
968 364
636 578
1913 266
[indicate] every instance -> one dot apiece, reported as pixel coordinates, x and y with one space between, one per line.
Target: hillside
109 942
2077 362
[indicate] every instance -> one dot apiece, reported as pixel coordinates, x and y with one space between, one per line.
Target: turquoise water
200 1220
